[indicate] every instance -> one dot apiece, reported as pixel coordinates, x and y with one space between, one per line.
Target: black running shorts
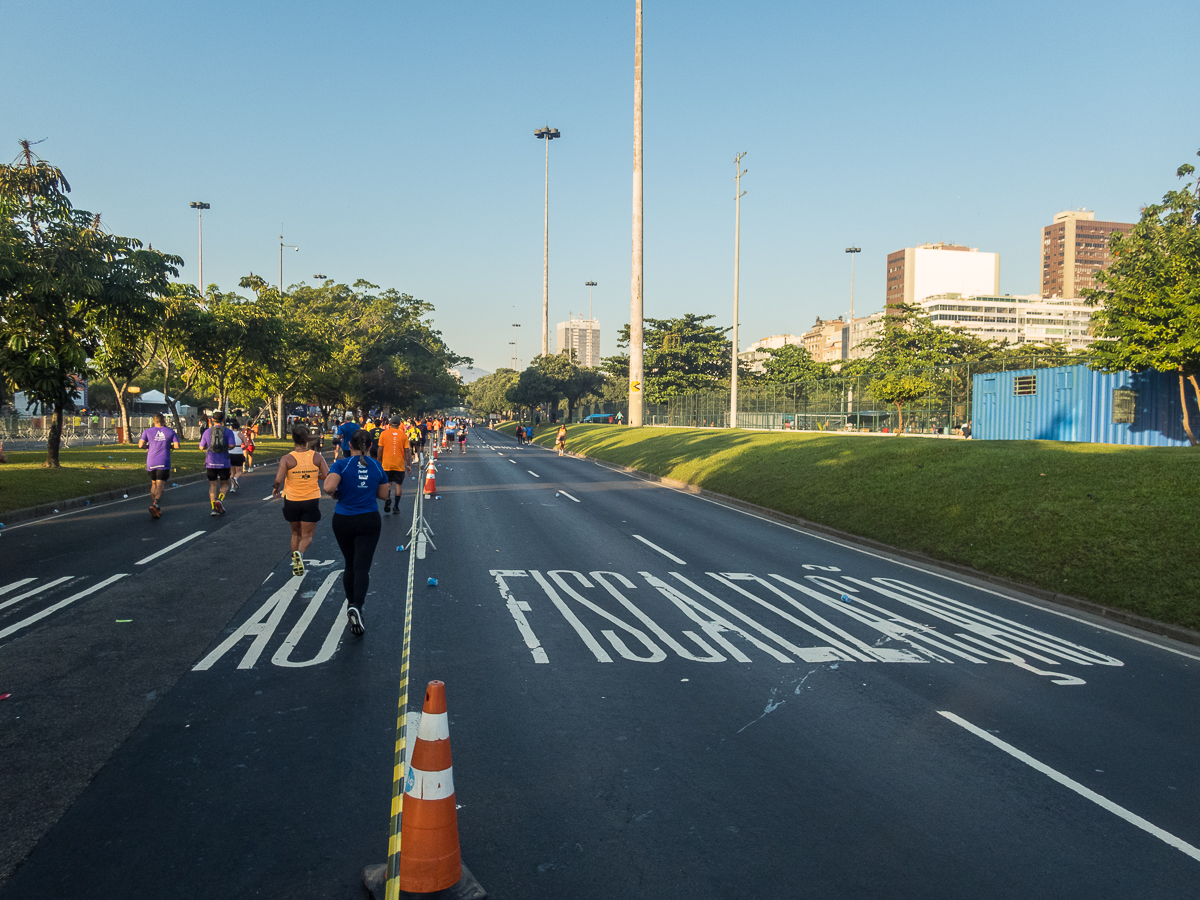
214 474
302 510
159 474
394 476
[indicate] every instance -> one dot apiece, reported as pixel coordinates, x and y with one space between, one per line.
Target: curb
1165 629
29 513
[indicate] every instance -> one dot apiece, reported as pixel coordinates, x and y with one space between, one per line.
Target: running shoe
214 509
396 508
155 512
387 505
357 627
218 508
233 488
297 563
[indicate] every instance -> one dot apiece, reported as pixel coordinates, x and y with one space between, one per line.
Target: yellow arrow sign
635 386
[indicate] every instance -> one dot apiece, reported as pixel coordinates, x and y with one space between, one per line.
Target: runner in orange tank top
298 481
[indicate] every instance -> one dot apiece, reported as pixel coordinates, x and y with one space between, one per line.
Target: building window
1024 385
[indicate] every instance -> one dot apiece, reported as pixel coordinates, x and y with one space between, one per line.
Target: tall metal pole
738 193
850 334
546 264
516 325
590 285
635 303
199 207
281 246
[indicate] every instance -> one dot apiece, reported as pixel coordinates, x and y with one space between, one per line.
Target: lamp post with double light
546 134
200 207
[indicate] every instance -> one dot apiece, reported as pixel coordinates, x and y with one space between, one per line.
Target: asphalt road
650 694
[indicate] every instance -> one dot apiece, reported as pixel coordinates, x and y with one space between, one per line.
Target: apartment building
1074 249
756 354
824 340
581 335
915 273
1017 319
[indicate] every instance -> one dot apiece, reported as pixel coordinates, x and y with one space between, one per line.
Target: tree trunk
900 426
1187 424
121 409
279 411
54 438
1196 391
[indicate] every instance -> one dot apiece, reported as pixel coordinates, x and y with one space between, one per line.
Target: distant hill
469 373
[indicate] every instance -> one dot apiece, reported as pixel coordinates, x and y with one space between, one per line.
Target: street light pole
635 280
199 208
547 134
281 246
850 336
589 285
737 255
516 325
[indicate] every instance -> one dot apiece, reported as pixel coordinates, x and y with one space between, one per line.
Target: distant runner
560 439
345 431
394 457
359 484
158 441
248 445
298 481
462 436
237 456
216 440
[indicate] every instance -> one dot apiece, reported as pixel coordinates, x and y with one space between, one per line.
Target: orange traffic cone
430 480
430 856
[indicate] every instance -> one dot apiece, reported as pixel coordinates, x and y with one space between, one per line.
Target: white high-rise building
915 273
581 335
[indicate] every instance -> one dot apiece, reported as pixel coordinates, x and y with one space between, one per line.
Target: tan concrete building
1074 249
915 273
756 354
824 340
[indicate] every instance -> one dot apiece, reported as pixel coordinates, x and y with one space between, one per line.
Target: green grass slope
1114 525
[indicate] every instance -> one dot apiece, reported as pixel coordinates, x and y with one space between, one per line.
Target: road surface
651 695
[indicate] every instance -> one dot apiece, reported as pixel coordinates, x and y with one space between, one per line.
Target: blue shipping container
1075 403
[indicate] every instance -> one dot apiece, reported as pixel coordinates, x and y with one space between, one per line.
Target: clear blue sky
394 141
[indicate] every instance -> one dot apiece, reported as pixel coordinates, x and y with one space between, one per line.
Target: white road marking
513 461
330 645
654 546
533 473
169 548
1087 793
60 604
518 610
568 496
261 624
37 590
12 587
934 572
270 496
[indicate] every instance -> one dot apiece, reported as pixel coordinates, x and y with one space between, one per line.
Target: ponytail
361 441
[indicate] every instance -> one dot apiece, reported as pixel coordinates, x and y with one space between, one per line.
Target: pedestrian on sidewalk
359 484
158 441
217 439
298 481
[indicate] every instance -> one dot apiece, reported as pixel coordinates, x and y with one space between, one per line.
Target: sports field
1111 524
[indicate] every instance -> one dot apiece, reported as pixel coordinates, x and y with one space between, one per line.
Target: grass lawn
1115 525
90 470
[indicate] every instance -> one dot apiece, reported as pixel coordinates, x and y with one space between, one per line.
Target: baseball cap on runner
394 420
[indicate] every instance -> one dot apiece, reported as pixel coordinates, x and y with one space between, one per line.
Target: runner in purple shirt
158 442
216 461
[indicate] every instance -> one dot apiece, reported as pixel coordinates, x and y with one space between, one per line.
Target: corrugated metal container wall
1075 403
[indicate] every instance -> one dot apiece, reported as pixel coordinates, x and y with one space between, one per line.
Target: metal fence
846 404
83 429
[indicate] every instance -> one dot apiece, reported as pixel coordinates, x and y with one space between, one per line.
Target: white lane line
269 496
654 546
513 461
12 587
568 496
533 473
60 604
37 590
1087 793
169 548
916 568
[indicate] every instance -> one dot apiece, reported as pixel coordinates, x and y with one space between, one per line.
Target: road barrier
430 480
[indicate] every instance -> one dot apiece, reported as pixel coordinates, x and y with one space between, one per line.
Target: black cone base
375 881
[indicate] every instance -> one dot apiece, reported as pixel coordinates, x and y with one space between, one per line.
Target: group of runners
229 453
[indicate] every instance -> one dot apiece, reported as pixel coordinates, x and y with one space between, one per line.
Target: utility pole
738 193
281 246
547 134
589 285
635 302
850 333
200 208
516 325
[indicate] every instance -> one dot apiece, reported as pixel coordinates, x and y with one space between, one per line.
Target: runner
560 439
344 433
376 431
394 456
217 440
237 456
359 484
248 444
298 481
462 436
451 435
157 441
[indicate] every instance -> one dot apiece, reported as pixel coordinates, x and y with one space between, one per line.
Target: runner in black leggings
359 484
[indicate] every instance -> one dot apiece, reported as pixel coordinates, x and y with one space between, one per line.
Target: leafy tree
568 379
64 283
531 389
1150 294
682 356
487 394
791 363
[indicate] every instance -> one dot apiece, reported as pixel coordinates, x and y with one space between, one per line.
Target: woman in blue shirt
358 483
